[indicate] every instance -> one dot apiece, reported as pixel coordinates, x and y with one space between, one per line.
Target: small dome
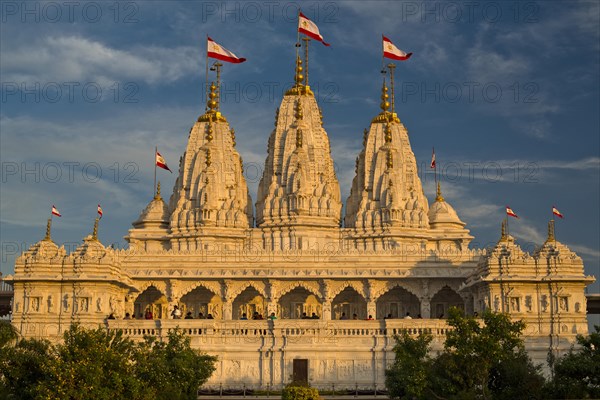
156 213
442 215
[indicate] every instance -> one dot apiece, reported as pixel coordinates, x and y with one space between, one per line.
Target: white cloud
79 59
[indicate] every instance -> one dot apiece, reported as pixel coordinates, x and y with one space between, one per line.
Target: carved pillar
272 308
326 309
228 309
425 306
371 308
129 302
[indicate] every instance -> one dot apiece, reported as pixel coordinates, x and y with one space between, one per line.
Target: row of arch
296 302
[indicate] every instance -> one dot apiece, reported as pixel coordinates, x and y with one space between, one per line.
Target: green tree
172 368
100 364
577 374
481 359
407 377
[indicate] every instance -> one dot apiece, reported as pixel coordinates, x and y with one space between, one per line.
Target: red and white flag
510 212
556 212
215 50
309 28
432 158
99 210
55 211
160 162
391 51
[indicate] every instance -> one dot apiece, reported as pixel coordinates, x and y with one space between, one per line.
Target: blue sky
507 92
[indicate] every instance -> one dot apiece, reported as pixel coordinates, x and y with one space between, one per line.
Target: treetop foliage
98 364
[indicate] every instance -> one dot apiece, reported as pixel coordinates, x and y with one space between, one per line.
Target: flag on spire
160 162
309 28
215 50
556 212
99 210
391 51
510 212
432 157
55 211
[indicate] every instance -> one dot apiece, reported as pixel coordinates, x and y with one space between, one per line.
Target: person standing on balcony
176 313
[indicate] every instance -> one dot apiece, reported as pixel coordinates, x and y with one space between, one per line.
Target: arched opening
202 303
251 303
396 303
443 300
299 303
152 300
347 303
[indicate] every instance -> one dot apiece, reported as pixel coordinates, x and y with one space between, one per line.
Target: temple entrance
397 302
248 302
202 303
443 300
347 303
300 370
151 300
299 302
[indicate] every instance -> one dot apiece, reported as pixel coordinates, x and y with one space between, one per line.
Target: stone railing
281 328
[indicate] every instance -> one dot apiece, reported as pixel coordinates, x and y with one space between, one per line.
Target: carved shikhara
396 254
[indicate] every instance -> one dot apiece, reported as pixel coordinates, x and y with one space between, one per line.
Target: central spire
298 198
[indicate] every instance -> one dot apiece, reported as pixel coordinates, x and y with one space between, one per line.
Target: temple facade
297 285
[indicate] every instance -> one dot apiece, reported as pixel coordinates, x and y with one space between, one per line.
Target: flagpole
155 152
298 38
382 55
434 166
205 77
306 40
391 67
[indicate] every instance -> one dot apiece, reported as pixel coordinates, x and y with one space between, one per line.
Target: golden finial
365 134
212 102
299 138
390 159
299 113
276 116
299 77
385 104
208 158
439 196
551 237
95 231
209 133
157 195
388 133
503 235
232 131
48 227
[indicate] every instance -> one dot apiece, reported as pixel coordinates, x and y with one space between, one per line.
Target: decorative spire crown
48 227
157 195
504 235
95 231
551 237
212 103
439 196
385 115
